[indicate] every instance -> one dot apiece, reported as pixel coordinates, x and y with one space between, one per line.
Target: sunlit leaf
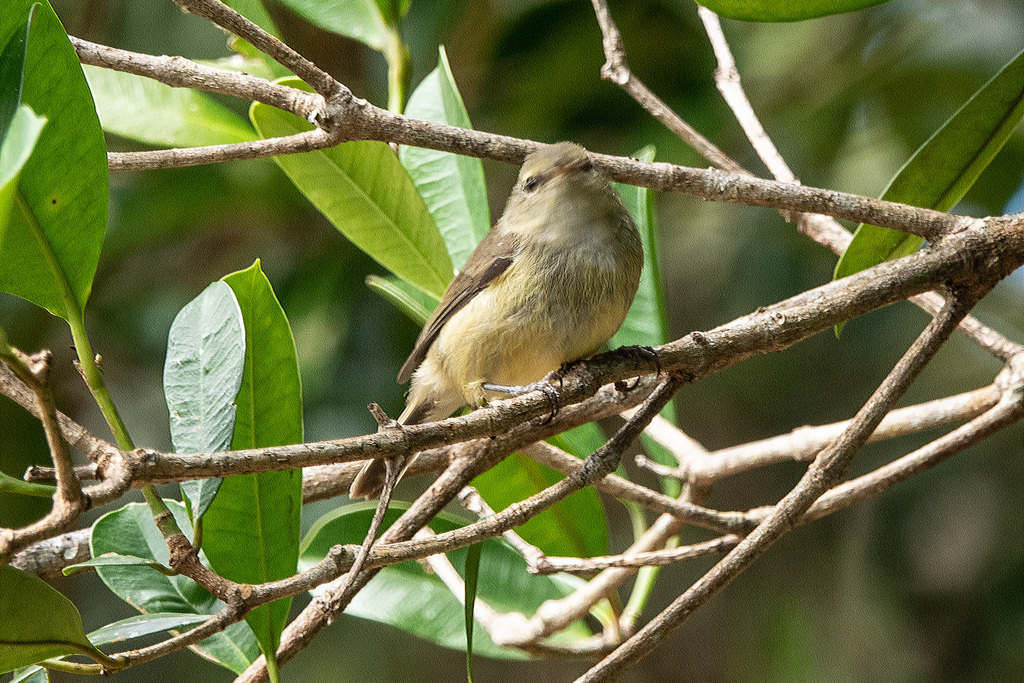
452 185
149 111
364 190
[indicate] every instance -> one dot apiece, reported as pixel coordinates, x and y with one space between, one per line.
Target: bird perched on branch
549 284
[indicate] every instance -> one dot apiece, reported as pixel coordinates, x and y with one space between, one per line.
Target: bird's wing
491 258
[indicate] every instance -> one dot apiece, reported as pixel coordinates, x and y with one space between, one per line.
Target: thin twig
615 70
227 18
637 560
727 79
822 229
475 503
179 157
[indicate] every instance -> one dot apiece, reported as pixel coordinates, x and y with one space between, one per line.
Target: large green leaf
941 171
452 185
251 530
788 10
417 601
202 375
36 622
149 111
362 188
131 531
52 244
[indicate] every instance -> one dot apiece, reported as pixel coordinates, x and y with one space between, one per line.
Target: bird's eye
531 183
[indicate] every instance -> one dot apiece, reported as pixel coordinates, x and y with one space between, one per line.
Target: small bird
549 284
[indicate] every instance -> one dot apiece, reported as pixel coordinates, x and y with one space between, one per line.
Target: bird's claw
640 354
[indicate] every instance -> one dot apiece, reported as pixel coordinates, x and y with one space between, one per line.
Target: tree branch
822 473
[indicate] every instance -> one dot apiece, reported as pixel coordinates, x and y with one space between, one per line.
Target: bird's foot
640 355
543 385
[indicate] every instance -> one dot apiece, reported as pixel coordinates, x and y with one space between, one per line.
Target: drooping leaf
36 621
131 531
790 10
414 600
452 185
251 530
945 167
142 109
407 299
57 223
472 574
364 190
202 375
646 323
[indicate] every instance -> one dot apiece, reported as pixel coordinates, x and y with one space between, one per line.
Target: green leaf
9 484
12 72
408 300
53 240
202 375
646 323
472 574
144 625
393 11
124 630
36 622
31 674
573 527
941 171
362 188
131 531
114 560
790 10
451 185
251 530
15 149
356 19
415 600
142 109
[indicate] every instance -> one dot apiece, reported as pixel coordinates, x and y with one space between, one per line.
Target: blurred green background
923 583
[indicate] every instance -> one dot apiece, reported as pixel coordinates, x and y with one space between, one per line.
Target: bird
549 284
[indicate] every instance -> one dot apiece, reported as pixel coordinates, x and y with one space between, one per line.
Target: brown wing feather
491 258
